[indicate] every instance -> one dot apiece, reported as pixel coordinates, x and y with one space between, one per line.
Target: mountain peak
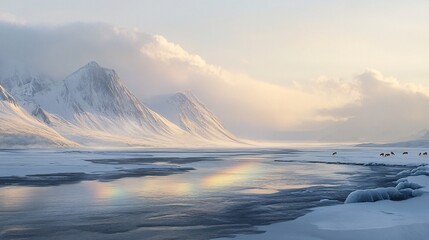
186 96
92 64
186 111
5 96
93 73
96 87
180 96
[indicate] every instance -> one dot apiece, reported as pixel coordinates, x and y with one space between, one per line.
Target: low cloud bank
368 106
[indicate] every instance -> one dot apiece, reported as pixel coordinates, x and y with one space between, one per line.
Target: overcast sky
279 40
281 67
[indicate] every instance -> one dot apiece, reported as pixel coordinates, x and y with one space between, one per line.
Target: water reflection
16 197
239 175
148 187
231 175
105 190
218 197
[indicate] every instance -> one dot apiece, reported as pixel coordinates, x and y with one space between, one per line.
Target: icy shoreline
247 187
363 217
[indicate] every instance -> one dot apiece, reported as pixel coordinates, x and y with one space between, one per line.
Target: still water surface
226 193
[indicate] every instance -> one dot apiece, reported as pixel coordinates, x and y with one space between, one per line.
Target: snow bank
421 170
404 184
373 195
402 191
386 220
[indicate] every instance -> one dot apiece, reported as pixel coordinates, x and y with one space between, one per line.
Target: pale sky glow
289 66
278 41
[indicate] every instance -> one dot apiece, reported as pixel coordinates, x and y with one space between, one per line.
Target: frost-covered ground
207 193
384 219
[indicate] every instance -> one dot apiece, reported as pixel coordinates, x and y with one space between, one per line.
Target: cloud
246 104
163 50
384 109
152 65
10 18
362 107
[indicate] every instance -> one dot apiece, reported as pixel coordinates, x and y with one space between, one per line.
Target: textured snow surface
92 106
378 194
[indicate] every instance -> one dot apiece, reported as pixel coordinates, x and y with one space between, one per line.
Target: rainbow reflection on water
231 175
174 185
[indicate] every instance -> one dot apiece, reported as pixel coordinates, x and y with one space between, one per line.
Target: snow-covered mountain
19 128
6 97
186 111
96 98
92 106
25 85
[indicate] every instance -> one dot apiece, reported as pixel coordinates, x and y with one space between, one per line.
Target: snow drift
402 191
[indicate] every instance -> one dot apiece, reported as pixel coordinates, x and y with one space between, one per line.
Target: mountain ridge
19 128
187 111
92 105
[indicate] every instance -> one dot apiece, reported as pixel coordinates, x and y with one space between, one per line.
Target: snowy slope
92 106
18 128
93 100
186 111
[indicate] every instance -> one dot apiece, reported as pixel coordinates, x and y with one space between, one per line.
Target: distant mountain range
93 107
418 140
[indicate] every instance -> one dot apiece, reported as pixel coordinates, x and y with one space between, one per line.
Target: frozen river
173 194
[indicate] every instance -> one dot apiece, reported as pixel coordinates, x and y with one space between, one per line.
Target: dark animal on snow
404 153
334 153
382 154
387 154
392 153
